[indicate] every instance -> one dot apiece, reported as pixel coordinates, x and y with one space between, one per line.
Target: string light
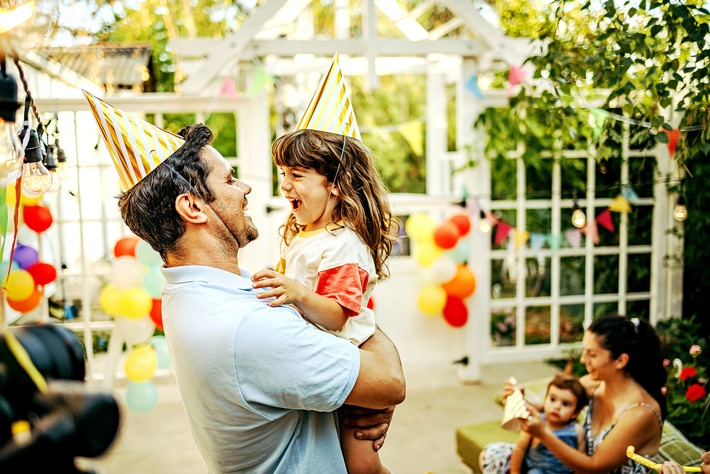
10 147
680 212
579 220
485 225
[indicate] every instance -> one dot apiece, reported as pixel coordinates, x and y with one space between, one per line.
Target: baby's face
560 405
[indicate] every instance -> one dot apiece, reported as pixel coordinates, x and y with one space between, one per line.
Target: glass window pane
501 284
571 322
639 277
639 309
606 274
537 277
571 276
537 325
538 220
640 225
574 177
600 309
641 170
538 179
503 327
503 179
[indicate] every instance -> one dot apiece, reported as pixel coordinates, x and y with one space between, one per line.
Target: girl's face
595 358
559 405
310 195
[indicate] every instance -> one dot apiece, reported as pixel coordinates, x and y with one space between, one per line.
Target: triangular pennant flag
554 241
472 86
599 117
515 75
228 88
629 194
673 136
136 146
574 238
620 204
412 132
521 237
259 80
537 240
330 109
591 231
604 220
502 232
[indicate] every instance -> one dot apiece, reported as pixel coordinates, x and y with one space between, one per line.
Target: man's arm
380 382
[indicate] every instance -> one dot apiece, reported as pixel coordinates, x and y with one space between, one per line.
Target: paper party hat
514 411
330 109
136 146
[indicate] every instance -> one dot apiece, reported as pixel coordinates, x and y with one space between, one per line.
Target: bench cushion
471 439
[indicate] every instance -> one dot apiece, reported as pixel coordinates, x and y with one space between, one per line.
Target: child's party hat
514 411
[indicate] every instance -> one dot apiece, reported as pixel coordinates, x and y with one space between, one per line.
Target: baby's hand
284 290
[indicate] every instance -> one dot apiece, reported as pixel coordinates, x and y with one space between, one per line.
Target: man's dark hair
148 208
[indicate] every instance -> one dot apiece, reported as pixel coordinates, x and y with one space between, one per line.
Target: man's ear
191 209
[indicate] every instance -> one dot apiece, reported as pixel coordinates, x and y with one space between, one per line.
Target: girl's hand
672 467
534 424
369 423
284 290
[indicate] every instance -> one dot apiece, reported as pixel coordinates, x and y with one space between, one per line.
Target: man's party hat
330 109
136 146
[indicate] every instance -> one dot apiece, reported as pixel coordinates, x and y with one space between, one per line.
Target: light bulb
578 218
36 179
54 187
10 153
680 212
485 225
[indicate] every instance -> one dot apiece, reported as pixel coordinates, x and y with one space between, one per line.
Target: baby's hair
347 162
568 382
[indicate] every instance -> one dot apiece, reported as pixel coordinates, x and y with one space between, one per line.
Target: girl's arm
518 456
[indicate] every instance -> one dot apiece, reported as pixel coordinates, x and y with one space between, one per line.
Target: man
259 384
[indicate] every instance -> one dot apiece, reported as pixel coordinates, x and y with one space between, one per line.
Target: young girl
335 242
564 399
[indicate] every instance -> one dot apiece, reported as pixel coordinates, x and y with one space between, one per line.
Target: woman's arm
581 441
518 456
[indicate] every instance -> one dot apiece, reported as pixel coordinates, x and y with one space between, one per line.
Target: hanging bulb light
36 179
579 220
10 146
50 162
680 212
485 225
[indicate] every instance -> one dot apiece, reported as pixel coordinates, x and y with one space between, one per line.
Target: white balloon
443 269
127 272
134 331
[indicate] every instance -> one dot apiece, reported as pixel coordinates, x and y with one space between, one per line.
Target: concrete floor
420 440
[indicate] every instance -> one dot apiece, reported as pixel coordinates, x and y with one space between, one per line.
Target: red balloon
25 306
37 218
126 246
156 313
455 311
462 223
43 273
462 285
371 303
446 235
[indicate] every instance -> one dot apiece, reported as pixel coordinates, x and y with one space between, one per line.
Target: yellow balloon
134 303
426 253
420 227
19 285
110 299
141 364
11 197
431 300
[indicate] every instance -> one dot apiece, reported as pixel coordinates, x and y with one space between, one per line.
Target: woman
626 408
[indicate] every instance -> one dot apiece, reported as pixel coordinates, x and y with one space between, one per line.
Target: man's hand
369 424
284 290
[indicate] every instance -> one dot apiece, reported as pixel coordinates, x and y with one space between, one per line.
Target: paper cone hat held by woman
136 146
514 411
330 109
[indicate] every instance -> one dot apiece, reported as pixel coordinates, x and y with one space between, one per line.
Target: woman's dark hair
637 338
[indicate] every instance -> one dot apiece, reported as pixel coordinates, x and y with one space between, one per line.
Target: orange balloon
446 235
156 313
462 285
462 223
25 306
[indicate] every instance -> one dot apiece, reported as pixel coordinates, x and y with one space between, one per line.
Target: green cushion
674 446
471 439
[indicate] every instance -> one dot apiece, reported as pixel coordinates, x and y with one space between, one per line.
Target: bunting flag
515 75
599 118
629 194
591 231
472 86
673 136
554 241
502 231
620 204
412 132
259 81
537 240
604 220
228 88
521 237
573 237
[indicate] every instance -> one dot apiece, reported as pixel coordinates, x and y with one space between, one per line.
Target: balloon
443 269
19 285
455 311
43 273
425 253
134 331
462 285
153 282
446 235
141 363
25 256
146 255
37 218
161 350
431 299
126 272
462 223
141 397
3 268
11 197
461 253
126 246
134 303
156 313
110 299
28 304
420 227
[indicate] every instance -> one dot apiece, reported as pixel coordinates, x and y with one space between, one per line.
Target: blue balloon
3 269
146 255
141 397
153 282
161 350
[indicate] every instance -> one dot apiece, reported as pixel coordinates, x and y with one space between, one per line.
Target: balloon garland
442 252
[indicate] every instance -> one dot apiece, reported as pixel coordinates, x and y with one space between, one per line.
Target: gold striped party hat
514 411
330 109
136 146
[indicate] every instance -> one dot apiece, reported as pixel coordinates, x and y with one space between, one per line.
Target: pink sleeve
344 284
